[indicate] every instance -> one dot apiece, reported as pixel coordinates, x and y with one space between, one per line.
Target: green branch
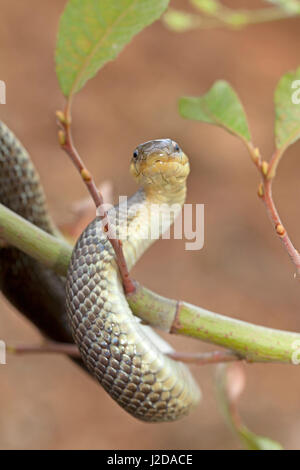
213 14
252 342
53 252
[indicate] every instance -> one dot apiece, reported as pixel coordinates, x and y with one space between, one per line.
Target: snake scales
114 347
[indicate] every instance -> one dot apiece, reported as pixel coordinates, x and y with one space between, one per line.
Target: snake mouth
159 163
161 168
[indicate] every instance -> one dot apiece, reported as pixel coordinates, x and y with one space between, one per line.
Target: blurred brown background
243 271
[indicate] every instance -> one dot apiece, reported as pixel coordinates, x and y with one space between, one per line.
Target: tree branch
66 143
252 342
53 252
45 348
268 172
72 350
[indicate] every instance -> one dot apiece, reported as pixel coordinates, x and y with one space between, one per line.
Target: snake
89 306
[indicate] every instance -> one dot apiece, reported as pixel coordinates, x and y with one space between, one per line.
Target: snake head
159 162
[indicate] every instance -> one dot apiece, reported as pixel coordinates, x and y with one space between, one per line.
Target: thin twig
280 229
83 206
72 350
83 212
67 144
45 348
268 172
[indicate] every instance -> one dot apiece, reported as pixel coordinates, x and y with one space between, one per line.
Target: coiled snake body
113 345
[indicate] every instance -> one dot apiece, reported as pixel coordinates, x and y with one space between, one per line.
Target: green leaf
93 32
220 106
287 110
230 383
254 442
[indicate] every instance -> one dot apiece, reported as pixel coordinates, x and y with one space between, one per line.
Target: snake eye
135 154
176 147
